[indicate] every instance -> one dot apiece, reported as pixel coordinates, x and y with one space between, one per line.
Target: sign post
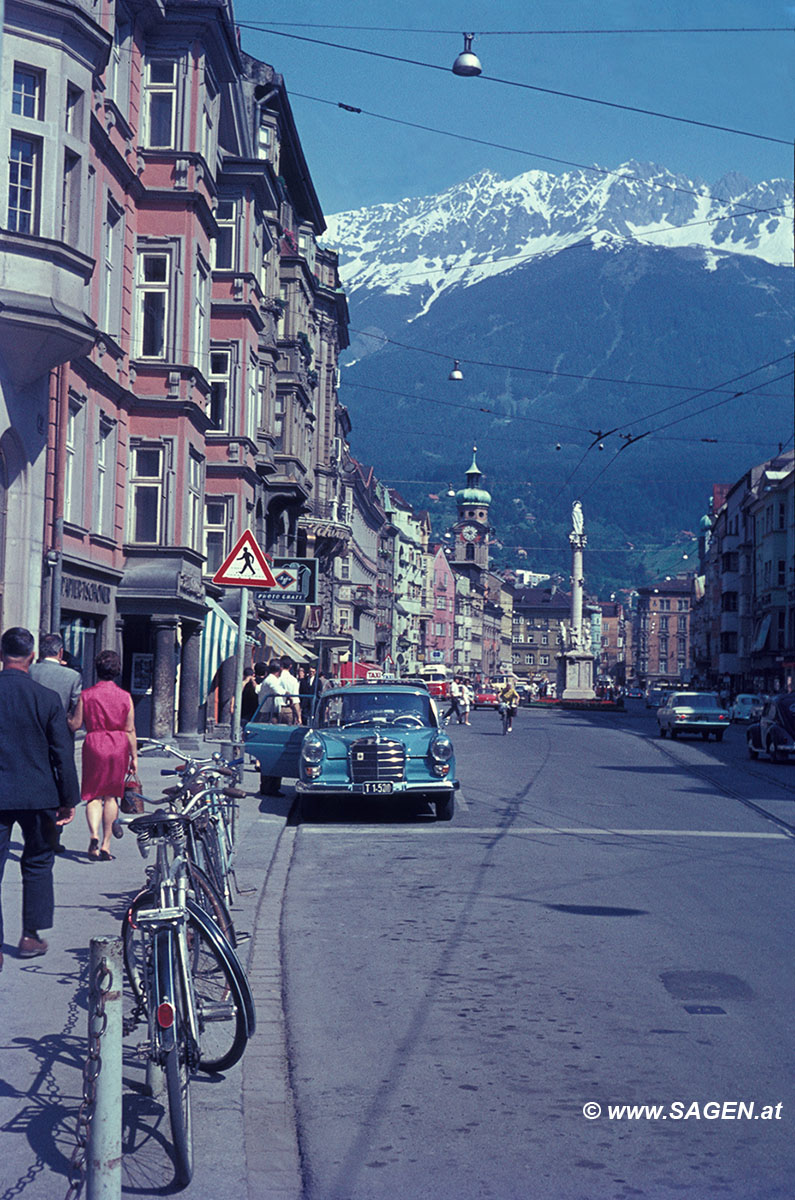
244 567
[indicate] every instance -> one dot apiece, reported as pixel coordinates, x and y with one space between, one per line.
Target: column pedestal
164 678
188 712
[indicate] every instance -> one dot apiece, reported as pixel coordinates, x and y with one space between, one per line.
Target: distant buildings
745 594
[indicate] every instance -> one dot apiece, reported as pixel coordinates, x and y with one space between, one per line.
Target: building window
728 602
24 166
73 116
226 242
160 103
70 198
516 659
543 660
544 639
146 493
530 659
195 480
216 532
27 98
154 283
104 496
208 121
781 574
220 388
117 75
113 254
254 411
201 315
73 474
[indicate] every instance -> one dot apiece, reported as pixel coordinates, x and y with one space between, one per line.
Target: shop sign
85 592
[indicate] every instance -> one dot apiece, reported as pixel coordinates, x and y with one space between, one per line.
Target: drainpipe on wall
55 555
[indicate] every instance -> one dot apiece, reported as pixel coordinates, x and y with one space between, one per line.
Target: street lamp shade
467 63
456 374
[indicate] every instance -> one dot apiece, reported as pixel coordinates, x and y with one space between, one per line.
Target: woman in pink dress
109 750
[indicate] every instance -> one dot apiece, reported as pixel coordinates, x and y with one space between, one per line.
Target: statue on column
576 518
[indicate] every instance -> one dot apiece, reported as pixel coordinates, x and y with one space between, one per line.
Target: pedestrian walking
52 672
455 701
271 698
109 751
292 693
249 699
38 783
306 692
467 700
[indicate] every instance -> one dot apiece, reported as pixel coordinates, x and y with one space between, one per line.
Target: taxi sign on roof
245 566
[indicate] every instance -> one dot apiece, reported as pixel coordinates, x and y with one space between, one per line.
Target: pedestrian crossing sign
245 566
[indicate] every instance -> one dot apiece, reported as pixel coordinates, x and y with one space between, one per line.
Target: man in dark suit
38 783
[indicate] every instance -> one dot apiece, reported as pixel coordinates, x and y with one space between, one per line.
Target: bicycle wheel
212 862
220 1006
177 1061
224 1023
211 901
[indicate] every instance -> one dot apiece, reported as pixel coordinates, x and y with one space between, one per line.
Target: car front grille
374 759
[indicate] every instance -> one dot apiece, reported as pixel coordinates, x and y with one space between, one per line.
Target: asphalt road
606 921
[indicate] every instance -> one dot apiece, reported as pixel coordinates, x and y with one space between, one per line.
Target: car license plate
375 788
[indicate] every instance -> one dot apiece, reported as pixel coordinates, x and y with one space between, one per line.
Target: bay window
24 184
160 103
220 413
152 308
146 492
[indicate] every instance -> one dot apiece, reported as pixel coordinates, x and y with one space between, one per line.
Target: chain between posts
99 988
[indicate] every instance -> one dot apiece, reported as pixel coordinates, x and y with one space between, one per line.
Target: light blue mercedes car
378 741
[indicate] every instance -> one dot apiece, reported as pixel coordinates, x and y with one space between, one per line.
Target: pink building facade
440 628
169 335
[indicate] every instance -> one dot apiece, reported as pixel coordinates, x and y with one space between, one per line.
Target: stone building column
164 677
188 713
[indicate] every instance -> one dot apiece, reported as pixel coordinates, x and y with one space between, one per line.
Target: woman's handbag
132 801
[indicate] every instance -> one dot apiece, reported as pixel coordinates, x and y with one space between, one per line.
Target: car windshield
375 708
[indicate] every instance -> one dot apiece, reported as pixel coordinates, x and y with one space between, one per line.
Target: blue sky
742 80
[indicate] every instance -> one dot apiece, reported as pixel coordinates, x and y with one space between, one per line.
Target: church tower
471 531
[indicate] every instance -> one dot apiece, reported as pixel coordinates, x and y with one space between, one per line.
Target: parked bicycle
186 978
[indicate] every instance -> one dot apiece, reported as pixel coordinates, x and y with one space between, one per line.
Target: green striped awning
218 642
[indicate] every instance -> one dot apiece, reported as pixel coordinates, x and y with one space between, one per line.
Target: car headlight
441 749
312 750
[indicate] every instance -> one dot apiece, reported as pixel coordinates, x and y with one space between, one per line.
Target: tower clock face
469 533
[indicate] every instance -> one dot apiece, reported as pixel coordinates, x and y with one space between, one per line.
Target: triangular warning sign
245 566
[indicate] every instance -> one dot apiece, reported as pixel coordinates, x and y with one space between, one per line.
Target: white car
692 712
746 707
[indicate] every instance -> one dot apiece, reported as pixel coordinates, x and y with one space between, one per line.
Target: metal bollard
103 1164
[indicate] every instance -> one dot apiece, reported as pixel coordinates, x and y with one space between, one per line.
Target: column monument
575 662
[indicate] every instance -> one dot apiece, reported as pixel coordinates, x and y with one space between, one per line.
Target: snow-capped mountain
488 225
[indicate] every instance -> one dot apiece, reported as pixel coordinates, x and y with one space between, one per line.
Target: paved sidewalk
43 1018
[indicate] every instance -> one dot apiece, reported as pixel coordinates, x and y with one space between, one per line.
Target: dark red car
486 697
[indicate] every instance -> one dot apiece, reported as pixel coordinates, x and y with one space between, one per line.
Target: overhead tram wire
528 32
564 162
549 372
668 425
531 87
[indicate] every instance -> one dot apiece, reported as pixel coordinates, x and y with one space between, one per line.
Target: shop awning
218 642
281 643
761 633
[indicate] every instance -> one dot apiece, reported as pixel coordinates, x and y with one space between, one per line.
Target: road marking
546 831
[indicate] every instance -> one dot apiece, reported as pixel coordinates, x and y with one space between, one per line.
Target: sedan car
634 693
774 732
692 712
377 741
746 707
486 697
655 697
